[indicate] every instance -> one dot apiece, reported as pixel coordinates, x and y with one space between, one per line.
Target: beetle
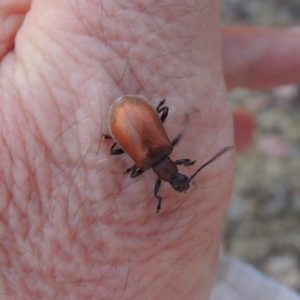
135 125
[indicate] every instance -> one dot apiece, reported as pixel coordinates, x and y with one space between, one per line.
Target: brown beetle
136 126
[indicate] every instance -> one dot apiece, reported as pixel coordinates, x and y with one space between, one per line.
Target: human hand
73 226
258 57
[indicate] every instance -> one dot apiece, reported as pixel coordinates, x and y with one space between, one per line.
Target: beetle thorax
165 169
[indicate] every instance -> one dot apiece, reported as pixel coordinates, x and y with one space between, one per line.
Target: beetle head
180 183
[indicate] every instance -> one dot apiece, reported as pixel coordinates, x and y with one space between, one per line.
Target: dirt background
263 220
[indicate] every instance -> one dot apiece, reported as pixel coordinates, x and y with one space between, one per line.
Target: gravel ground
263 220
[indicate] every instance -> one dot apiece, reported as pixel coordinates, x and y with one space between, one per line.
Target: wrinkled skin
73 226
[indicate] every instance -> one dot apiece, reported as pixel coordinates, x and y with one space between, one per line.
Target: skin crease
72 225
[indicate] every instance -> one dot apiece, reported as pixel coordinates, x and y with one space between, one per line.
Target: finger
244 126
257 57
11 18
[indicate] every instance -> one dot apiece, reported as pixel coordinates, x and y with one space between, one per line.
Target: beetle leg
185 162
160 104
106 136
135 172
156 189
129 169
164 110
112 150
115 151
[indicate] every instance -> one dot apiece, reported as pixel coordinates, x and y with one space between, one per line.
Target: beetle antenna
211 160
181 133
